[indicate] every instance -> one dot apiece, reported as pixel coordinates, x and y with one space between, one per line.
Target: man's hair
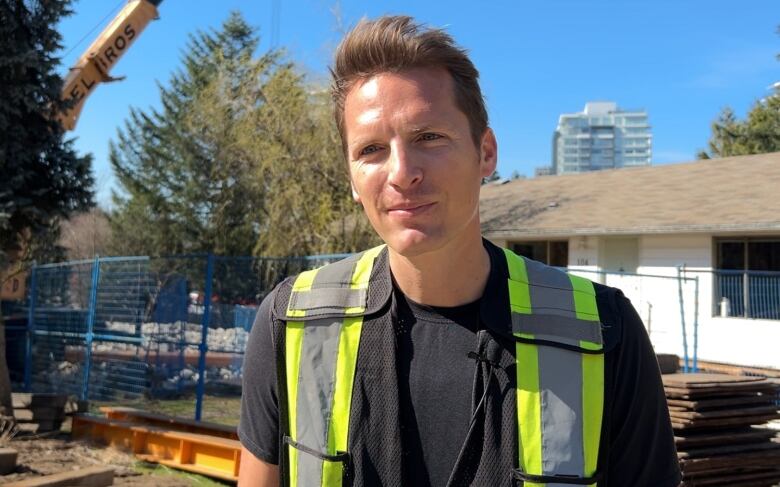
396 43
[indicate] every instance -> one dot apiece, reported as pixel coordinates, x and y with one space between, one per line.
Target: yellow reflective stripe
529 414
362 274
519 293
519 297
592 407
292 357
338 430
302 284
516 266
363 268
584 298
592 375
332 473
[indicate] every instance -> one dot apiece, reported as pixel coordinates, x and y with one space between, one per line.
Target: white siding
740 341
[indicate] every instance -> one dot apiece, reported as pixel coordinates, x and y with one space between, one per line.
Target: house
658 232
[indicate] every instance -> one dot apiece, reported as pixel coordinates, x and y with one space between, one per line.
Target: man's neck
452 276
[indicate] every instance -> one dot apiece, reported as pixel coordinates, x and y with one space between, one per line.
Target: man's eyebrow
427 127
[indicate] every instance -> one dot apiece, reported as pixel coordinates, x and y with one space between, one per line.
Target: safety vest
558 353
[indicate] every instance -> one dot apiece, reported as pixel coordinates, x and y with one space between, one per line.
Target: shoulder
356 285
612 312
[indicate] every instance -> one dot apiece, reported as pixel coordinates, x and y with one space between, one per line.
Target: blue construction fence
133 328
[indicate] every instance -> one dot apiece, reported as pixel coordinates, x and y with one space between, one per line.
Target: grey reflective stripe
315 394
560 383
551 290
335 299
560 373
557 328
331 290
338 274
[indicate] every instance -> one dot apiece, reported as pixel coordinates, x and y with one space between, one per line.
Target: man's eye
369 150
430 136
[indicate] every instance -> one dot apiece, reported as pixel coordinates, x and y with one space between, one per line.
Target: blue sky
682 61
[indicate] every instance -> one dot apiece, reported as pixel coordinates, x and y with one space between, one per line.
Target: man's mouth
412 209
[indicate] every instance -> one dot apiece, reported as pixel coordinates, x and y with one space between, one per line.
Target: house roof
734 194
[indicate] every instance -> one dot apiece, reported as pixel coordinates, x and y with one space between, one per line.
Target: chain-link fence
132 330
138 328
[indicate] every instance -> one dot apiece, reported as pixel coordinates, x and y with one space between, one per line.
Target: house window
747 277
550 252
749 254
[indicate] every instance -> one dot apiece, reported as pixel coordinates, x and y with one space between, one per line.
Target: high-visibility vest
559 371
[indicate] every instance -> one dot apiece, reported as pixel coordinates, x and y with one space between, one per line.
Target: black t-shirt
436 373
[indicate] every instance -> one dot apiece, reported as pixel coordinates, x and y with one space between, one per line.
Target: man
441 359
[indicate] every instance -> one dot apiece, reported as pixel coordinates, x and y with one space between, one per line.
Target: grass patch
163 471
216 409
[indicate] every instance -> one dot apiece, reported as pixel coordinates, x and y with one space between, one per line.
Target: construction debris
8 458
717 421
39 413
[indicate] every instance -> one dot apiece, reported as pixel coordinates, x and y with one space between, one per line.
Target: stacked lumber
720 429
38 412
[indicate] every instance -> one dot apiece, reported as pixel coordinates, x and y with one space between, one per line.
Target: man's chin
413 243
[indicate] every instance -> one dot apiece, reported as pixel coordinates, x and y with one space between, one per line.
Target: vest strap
559 353
320 360
555 479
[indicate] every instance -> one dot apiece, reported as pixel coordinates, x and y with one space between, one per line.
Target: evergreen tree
183 182
43 178
759 133
243 157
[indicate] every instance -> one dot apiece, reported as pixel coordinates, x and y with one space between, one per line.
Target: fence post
29 333
88 336
682 319
204 348
746 294
696 326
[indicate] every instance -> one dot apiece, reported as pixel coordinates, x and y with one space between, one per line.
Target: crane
94 65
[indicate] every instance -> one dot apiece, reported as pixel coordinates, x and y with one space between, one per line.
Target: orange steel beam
203 454
170 422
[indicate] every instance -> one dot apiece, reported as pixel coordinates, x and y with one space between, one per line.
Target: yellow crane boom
94 66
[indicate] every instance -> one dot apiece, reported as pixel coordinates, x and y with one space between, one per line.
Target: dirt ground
55 452
48 454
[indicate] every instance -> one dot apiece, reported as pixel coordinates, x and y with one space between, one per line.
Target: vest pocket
310 467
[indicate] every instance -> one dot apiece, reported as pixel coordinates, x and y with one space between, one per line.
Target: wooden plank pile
39 412
719 428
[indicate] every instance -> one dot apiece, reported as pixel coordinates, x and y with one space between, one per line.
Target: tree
44 179
85 235
308 207
759 133
242 157
183 181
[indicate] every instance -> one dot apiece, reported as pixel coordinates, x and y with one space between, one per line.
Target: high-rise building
601 137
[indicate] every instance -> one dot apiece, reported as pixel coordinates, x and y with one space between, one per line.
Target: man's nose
405 169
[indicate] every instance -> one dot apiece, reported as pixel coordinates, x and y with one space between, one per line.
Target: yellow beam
203 454
170 422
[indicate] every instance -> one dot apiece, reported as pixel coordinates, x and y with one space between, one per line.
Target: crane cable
102 21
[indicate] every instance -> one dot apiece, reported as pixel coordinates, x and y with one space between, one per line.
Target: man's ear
355 195
488 151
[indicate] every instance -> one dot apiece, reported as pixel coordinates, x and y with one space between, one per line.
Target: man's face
412 161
